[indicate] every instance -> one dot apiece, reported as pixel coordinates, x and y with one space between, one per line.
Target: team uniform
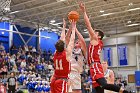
62 69
96 70
76 61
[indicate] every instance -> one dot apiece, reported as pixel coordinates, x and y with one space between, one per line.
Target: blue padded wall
17 41
4 35
46 44
137 78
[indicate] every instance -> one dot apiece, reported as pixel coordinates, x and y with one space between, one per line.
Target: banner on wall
122 53
107 54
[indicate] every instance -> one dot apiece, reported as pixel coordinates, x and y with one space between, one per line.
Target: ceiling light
14 12
130 4
133 9
133 24
45 27
59 23
52 21
60 0
102 11
107 14
129 21
54 24
59 27
54 29
45 37
7 8
2 33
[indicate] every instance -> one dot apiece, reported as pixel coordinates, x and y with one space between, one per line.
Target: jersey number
59 64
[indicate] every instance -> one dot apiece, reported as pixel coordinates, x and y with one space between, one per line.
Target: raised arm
63 31
91 32
111 75
68 35
83 43
71 43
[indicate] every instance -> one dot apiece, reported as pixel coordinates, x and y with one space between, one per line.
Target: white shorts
75 81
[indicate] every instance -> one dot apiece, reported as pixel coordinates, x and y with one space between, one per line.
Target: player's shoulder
111 71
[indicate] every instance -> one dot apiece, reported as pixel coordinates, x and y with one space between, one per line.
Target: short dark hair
101 33
59 45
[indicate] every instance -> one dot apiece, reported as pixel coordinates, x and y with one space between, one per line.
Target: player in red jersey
62 62
94 50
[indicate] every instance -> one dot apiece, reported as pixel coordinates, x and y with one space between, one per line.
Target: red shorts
58 86
96 72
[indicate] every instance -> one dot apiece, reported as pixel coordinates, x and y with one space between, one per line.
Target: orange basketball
73 15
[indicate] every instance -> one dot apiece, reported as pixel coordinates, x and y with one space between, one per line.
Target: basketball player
62 62
94 50
108 74
77 60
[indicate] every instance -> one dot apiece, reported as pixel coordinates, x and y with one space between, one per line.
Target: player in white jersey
109 75
77 61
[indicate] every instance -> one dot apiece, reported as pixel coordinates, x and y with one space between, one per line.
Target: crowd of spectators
26 61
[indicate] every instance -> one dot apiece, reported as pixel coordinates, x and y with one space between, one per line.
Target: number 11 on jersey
59 64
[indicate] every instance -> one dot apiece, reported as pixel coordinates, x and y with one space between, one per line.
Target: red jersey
62 66
94 52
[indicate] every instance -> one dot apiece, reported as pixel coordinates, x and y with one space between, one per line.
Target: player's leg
75 85
103 83
76 91
99 89
52 86
69 86
61 86
94 74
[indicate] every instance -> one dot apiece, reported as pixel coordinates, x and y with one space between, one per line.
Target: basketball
73 15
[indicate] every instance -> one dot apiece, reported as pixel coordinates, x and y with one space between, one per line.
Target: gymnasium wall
130 43
48 43
4 35
17 41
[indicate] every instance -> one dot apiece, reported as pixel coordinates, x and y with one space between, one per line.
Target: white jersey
107 74
77 60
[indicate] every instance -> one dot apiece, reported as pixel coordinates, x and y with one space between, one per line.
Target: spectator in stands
33 50
13 47
49 53
2 87
23 63
14 69
20 49
12 83
12 60
2 48
4 71
9 65
26 48
1 62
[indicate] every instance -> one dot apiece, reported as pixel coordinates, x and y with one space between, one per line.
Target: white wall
132 54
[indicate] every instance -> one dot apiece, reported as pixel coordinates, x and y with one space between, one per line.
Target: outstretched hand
82 6
73 24
64 23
